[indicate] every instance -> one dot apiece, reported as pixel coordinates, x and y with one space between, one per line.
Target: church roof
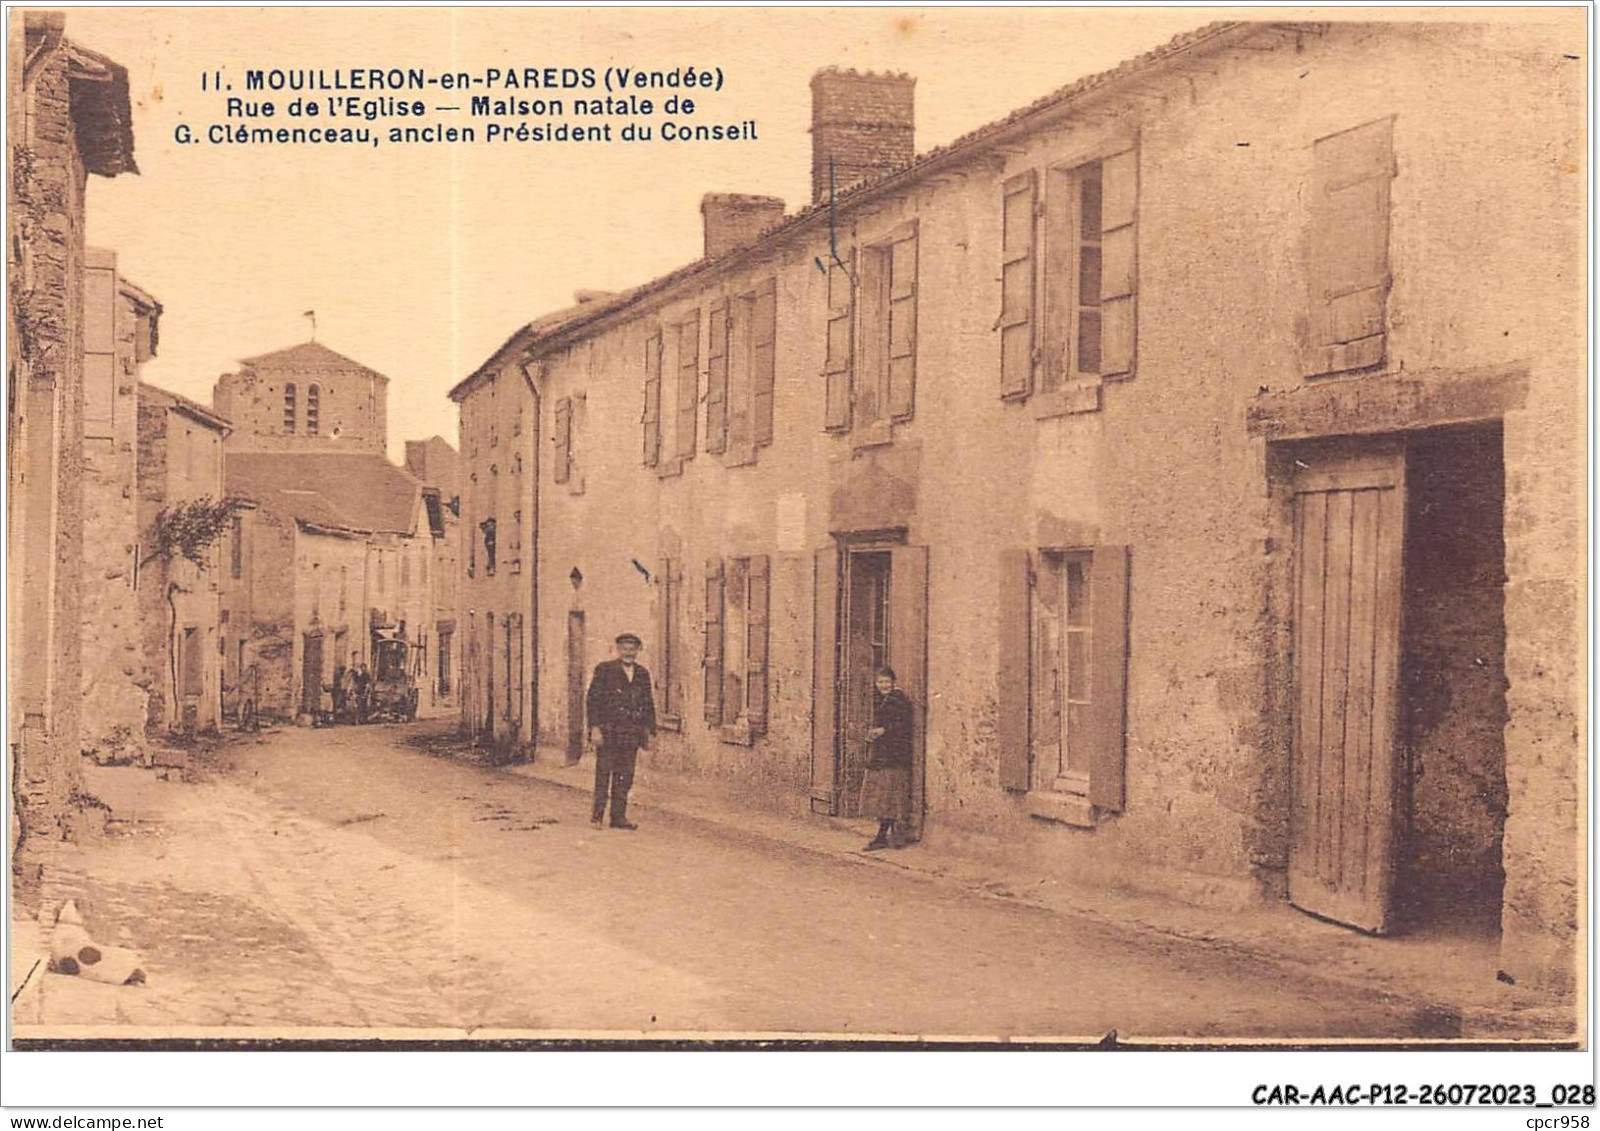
310 357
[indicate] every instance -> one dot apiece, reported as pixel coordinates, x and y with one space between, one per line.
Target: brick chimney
735 219
863 123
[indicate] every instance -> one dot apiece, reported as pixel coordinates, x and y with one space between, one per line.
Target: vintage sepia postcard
799 527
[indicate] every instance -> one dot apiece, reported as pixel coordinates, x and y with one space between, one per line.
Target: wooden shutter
841 341
562 438
711 656
666 702
1119 209
1016 649
652 400
763 360
717 380
99 347
1108 691
825 684
1018 310
1349 248
908 655
757 606
902 325
688 384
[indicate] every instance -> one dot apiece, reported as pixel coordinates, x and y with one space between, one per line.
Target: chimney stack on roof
734 220
862 128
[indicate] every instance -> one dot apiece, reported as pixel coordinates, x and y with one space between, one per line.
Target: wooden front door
574 685
1349 511
871 611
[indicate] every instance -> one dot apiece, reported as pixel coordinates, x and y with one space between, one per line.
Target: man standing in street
622 717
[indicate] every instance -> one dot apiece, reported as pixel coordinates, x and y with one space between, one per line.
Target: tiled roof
154 394
101 111
310 357
552 327
357 491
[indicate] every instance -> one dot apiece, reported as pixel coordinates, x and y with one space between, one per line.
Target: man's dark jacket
623 709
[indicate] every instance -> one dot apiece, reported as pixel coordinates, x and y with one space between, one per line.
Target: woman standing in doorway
886 789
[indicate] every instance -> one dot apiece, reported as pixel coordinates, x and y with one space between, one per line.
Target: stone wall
115 679
46 546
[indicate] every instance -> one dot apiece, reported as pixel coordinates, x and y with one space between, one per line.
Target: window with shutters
742 367
1067 290
885 371
652 400
1348 252
738 596
668 673
1062 680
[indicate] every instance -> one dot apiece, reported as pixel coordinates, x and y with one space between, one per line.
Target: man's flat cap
629 638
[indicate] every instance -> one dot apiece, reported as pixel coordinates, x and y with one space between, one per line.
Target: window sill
878 434
669 722
669 469
739 455
736 733
1062 808
1072 398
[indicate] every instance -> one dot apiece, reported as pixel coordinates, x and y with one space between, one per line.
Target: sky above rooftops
420 260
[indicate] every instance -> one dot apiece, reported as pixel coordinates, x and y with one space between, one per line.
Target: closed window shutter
562 438
1349 248
1016 650
759 575
652 400
764 360
1018 313
841 341
665 703
717 380
1119 209
688 384
711 658
902 336
1108 693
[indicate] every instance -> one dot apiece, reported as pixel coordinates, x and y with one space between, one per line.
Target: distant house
180 462
435 463
326 551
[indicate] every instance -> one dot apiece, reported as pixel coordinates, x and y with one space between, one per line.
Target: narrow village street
348 877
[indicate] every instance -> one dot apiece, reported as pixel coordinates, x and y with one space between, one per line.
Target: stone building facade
179 600
68 118
1196 443
304 398
121 328
436 466
327 550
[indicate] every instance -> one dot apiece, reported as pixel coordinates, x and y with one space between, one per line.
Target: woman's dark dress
886 789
